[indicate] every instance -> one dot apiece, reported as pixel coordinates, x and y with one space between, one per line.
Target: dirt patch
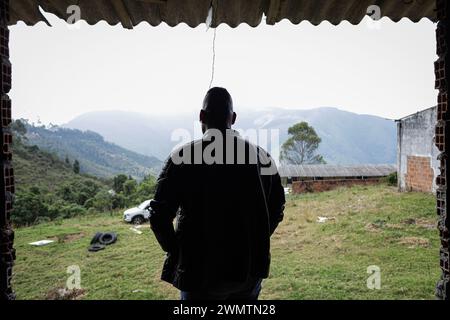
394 226
427 224
376 226
65 294
421 222
415 242
372 227
70 237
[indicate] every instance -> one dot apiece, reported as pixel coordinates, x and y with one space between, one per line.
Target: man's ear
234 118
202 116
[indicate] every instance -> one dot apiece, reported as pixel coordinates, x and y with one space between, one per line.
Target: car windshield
144 204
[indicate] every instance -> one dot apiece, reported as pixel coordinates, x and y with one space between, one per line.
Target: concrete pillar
442 71
7 252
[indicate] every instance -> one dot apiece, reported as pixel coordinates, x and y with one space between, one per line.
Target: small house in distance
417 154
323 177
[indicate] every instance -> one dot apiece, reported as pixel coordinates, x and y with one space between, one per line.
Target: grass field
310 260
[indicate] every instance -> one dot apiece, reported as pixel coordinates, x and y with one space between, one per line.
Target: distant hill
38 168
96 156
347 138
48 188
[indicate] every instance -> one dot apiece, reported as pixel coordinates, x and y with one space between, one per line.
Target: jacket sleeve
273 189
276 202
164 206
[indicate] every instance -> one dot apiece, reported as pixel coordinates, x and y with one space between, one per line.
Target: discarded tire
101 240
96 237
96 247
107 238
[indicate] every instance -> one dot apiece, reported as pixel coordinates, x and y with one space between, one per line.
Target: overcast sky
60 73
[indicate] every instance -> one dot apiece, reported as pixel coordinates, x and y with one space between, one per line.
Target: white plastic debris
136 230
324 219
41 243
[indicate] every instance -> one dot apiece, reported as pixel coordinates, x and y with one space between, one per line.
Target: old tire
96 237
107 238
96 247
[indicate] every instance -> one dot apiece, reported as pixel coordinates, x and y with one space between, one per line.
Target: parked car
139 214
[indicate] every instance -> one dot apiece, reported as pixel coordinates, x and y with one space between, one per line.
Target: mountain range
96 156
347 138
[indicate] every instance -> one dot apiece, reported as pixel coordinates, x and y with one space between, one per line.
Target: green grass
310 260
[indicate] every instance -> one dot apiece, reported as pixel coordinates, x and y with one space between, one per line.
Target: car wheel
138 220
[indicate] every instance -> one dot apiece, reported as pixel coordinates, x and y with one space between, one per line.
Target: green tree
76 166
28 207
301 146
118 182
129 187
18 126
102 201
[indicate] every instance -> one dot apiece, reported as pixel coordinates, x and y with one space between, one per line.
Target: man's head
217 111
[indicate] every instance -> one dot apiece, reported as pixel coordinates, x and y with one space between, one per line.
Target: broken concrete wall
417 154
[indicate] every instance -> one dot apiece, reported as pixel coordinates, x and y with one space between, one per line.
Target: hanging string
213 58
214 6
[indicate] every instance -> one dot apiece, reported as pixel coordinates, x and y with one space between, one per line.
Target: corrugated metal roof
325 170
232 12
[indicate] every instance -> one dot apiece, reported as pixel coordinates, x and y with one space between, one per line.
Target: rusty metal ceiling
231 12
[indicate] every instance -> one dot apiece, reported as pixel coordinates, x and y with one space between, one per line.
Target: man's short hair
218 105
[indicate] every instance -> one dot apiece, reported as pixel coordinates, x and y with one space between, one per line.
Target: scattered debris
138 290
41 243
324 219
65 294
136 230
414 242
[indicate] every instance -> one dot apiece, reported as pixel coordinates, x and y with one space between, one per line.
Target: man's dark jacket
225 213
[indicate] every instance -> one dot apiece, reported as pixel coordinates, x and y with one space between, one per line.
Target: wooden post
7 252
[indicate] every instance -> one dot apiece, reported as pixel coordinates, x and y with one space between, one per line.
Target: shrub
392 179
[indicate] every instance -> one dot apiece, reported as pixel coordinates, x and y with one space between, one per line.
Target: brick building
317 178
417 154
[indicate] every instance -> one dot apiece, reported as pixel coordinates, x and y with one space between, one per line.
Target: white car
139 214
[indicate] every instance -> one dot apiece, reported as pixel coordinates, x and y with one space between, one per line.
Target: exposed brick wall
325 185
419 174
7 252
442 131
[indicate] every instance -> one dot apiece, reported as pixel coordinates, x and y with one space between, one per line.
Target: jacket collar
211 132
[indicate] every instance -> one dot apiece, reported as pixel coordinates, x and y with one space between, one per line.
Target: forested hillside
95 155
48 188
